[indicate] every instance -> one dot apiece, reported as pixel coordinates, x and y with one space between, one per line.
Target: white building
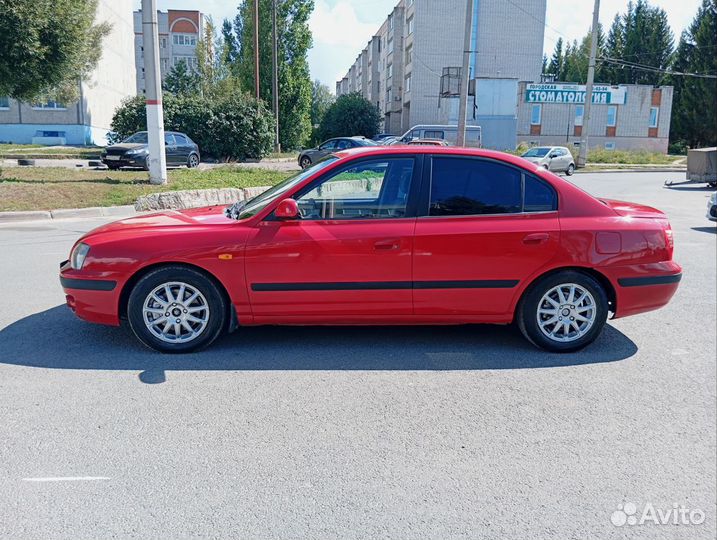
179 33
86 121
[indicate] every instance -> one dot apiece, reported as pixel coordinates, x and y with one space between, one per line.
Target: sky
342 28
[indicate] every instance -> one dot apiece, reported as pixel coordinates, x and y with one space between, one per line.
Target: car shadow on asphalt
57 339
712 229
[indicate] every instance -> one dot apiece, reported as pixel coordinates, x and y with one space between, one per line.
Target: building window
184 39
409 55
190 61
165 64
50 105
579 112
654 116
390 46
535 113
409 23
611 116
390 22
4 102
163 42
389 71
407 87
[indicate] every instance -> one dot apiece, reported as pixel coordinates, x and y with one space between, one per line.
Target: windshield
366 142
140 137
258 203
537 152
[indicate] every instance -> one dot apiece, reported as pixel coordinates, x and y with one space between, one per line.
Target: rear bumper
643 287
90 298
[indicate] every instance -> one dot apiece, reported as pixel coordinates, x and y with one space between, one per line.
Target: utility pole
256 48
463 105
275 76
583 154
153 90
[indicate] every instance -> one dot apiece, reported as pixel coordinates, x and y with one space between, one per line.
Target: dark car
381 136
312 155
134 151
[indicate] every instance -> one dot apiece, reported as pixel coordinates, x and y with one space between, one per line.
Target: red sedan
382 235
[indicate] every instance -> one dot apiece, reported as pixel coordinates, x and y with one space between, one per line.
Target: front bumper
711 211
125 160
91 298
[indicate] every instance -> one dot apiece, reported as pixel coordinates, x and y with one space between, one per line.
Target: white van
447 133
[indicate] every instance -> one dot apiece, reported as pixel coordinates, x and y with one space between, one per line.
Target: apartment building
179 32
86 121
402 68
621 117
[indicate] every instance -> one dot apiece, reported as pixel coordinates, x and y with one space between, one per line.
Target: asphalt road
402 433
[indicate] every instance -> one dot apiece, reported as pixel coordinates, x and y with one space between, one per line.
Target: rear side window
181 139
539 196
461 187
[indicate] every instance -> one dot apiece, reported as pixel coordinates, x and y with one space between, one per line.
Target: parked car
712 207
427 142
390 141
380 137
552 158
382 235
445 132
311 155
134 151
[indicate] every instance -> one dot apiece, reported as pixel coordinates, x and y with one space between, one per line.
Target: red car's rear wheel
563 312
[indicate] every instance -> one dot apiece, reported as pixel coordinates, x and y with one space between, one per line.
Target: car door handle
536 238
386 245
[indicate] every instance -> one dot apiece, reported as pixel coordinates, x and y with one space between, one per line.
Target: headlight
77 257
137 151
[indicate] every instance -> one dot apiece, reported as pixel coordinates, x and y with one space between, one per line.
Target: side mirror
553 155
287 209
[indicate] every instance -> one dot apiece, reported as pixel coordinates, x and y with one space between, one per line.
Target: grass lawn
36 151
45 188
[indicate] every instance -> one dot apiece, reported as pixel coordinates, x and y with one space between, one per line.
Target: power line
640 67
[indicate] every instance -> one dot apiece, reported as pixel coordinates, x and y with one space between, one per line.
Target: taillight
669 240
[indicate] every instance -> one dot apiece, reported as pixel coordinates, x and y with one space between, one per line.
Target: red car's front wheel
176 309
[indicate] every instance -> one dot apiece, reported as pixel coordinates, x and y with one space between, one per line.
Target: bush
351 114
236 127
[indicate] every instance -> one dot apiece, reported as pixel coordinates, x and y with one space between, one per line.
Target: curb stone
66 213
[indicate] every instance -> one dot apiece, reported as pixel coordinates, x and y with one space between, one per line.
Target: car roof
436 150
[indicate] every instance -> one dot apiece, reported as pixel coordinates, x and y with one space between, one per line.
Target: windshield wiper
234 210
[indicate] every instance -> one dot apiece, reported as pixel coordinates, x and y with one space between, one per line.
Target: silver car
553 158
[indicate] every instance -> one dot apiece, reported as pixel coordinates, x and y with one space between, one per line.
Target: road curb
67 213
638 170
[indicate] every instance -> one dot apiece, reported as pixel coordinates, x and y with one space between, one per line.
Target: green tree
294 39
641 36
351 114
694 109
321 100
181 80
555 66
47 46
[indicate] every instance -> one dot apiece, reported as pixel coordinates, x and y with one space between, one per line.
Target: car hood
161 221
534 159
126 146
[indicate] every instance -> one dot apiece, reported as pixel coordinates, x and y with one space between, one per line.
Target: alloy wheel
566 312
175 312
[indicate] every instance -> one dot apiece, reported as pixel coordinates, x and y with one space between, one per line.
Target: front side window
435 134
376 189
328 145
138 138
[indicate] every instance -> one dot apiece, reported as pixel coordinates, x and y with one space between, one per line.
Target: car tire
113 167
193 161
202 316
542 304
305 162
570 170
146 163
